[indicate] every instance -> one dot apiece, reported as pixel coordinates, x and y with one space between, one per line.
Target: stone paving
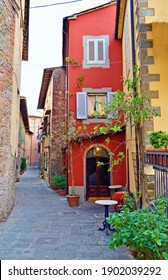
43 227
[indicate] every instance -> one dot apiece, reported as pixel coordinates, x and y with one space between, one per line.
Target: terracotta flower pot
134 252
73 200
54 187
62 192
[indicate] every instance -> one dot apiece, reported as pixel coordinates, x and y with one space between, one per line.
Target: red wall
79 152
100 22
95 23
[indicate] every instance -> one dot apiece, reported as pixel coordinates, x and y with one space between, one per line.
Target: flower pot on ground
62 192
54 187
73 200
59 183
134 252
23 165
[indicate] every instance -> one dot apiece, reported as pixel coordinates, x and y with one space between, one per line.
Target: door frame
85 165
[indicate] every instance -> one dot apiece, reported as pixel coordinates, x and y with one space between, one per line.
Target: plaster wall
32 148
159 51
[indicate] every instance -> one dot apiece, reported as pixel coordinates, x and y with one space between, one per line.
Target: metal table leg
106 226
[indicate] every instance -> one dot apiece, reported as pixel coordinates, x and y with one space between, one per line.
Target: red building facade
93 60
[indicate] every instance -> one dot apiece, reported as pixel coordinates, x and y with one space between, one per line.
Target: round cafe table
113 188
106 204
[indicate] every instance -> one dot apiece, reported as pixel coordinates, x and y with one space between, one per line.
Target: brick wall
7 161
58 120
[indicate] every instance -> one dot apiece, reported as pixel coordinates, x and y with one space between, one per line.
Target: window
91 104
96 104
46 125
96 52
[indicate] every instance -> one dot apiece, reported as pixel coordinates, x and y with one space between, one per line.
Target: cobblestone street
42 226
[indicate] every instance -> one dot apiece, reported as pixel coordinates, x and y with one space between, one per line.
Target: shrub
23 165
158 139
143 230
60 181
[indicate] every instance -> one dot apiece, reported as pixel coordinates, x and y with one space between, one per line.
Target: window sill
88 121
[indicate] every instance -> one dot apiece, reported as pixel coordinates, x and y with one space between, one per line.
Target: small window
96 51
96 103
91 105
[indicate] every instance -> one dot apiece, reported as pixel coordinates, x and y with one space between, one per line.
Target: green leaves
158 139
165 255
143 230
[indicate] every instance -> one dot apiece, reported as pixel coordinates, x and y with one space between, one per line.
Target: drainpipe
138 164
66 110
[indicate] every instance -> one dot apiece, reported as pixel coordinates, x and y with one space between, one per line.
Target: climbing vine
128 108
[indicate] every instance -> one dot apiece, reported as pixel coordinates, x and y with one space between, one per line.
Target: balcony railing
159 161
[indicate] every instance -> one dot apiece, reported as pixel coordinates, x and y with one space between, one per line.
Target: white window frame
84 95
105 63
96 60
97 97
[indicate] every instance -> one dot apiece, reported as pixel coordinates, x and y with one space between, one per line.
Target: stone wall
7 161
58 122
146 60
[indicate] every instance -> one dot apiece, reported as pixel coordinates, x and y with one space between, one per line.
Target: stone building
52 101
14 23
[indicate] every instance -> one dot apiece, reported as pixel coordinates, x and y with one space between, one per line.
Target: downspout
138 163
66 109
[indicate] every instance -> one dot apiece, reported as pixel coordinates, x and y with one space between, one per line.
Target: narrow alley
42 226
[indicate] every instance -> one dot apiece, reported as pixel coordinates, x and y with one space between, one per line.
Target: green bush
59 180
23 165
158 139
143 230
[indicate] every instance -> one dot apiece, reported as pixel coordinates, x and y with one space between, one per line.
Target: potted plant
142 230
73 199
158 139
17 179
59 181
23 165
41 173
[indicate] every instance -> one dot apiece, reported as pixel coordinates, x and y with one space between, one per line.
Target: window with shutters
96 103
91 105
96 51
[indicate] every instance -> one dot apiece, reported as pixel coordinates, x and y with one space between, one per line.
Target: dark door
97 177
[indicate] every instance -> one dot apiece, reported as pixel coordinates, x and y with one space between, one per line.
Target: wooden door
98 179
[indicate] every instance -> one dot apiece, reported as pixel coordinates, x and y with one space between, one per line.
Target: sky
45 43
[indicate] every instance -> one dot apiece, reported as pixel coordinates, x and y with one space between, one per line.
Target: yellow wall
159 51
127 73
161 11
16 81
46 139
159 36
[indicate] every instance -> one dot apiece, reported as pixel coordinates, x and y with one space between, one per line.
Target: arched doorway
97 177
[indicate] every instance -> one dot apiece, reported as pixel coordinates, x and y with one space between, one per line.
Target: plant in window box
143 230
59 181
